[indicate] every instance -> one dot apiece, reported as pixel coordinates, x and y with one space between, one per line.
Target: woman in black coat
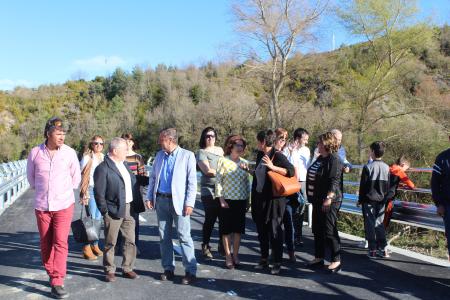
324 190
268 211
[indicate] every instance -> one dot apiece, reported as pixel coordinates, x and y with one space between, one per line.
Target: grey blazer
184 180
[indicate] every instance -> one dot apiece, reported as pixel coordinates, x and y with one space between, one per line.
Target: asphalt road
23 277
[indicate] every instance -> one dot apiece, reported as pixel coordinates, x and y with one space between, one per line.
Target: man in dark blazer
117 195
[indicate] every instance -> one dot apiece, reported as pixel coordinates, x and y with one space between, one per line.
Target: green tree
117 84
372 82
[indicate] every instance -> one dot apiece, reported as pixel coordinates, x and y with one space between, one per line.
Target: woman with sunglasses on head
92 157
267 210
233 191
207 158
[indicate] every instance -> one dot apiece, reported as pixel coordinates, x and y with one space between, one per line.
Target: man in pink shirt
54 172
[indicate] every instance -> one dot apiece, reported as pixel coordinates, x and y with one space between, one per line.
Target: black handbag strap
81 214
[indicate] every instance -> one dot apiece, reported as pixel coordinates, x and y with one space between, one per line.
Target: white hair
115 143
336 131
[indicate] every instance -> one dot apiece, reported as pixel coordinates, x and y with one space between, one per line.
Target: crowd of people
111 188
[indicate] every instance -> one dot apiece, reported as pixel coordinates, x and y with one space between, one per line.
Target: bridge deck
23 277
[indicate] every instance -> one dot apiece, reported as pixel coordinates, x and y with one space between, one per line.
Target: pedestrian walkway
23 277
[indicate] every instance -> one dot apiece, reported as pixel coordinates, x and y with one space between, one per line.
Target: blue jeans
92 206
166 217
447 225
289 231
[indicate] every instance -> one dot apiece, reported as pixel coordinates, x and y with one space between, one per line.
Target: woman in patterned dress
232 189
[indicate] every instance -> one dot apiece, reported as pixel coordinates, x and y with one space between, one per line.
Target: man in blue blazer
172 191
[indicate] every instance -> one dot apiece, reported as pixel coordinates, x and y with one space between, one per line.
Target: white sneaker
383 253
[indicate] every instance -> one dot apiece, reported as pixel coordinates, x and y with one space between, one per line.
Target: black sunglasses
210 136
97 143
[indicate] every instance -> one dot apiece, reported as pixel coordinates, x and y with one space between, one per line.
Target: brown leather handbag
283 186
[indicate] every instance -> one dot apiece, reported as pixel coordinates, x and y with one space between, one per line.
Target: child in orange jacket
398 176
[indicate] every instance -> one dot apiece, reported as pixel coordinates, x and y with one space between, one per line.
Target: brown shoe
110 277
96 250
88 254
188 278
130 275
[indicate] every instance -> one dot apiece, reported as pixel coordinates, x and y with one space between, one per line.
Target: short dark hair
299 132
266 136
231 140
52 124
261 136
378 148
129 136
202 142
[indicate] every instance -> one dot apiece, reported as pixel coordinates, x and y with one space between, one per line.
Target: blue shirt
165 179
343 157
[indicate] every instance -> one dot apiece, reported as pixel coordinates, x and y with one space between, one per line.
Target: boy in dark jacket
373 189
398 176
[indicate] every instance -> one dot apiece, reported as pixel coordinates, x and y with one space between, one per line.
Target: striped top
232 182
136 164
311 177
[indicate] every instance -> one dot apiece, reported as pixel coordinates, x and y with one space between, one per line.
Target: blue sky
51 41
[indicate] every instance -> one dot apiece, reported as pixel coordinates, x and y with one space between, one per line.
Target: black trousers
211 206
325 231
276 242
262 228
275 214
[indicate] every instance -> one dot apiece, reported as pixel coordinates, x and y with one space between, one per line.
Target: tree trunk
272 114
276 121
360 145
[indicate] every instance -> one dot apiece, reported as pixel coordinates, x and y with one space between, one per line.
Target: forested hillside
321 93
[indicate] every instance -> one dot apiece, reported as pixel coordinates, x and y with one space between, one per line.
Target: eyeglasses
97 143
210 136
238 145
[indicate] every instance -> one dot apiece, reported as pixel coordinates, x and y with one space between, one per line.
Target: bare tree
273 30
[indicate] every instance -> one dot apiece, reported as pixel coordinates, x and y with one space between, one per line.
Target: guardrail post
3 179
309 207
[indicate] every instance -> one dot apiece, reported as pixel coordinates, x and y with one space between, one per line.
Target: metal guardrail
13 182
405 212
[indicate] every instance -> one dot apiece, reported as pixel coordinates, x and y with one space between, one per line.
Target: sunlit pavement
23 277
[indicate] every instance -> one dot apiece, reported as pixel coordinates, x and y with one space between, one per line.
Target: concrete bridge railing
13 182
